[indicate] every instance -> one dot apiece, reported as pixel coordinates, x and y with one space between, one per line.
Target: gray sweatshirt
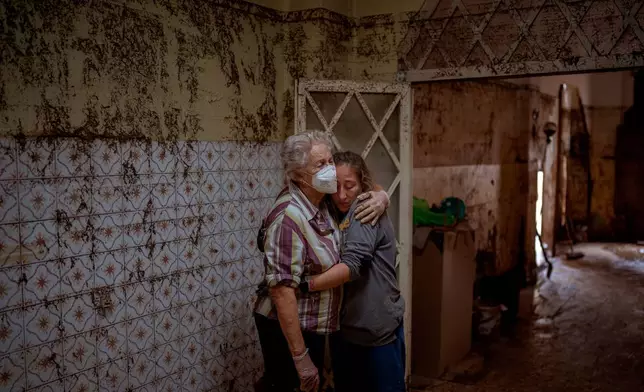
372 308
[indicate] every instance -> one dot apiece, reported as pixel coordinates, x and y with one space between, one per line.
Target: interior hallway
587 333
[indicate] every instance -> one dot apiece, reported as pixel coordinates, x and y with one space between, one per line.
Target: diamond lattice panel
474 38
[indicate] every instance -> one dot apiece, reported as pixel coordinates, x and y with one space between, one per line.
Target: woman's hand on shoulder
371 206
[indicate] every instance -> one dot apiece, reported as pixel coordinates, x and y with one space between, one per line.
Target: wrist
298 356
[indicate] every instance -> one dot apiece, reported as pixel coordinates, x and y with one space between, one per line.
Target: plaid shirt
301 240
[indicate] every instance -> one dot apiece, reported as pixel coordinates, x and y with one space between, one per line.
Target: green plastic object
424 216
454 206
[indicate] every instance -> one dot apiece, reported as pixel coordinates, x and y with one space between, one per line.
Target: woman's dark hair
358 164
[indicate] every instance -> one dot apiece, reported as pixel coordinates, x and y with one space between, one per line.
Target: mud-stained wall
488 157
603 123
182 70
127 223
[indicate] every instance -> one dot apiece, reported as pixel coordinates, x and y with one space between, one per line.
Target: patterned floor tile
42 282
112 344
78 314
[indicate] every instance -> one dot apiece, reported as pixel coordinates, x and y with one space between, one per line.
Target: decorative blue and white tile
107 195
109 268
188 255
112 376
192 378
37 158
213 313
230 186
188 226
10 286
270 156
45 364
136 157
234 306
37 199
190 324
234 276
250 156
12 368
140 300
108 235
12 331
166 327
210 191
141 369
80 352
9 202
169 383
164 158
140 334
272 183
8 159
188 187
78 314
42 282
163 258
187 156
164 225
73 158
212 219
251 185
251 213
134 228
112 344
77 275
209 156
249 245
116 311
38 241
168 362
254 270
189 288
137 196
210 252
138 264
76 235
163 191
213 282
165 296
106 158
230 245
75 196
86 381
230 155
231 216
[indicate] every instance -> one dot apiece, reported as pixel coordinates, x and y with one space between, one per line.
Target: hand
372 205
308 373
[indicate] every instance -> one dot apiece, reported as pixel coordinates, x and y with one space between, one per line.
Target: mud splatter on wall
127 223
489 158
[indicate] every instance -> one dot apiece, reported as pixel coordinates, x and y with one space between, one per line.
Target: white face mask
325 181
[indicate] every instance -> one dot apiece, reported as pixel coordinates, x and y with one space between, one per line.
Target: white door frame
403 160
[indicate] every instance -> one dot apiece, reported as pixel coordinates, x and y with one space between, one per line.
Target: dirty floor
587 334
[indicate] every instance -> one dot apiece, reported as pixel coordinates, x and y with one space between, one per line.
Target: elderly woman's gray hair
296 149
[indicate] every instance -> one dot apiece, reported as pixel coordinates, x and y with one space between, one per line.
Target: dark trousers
369 369
279 371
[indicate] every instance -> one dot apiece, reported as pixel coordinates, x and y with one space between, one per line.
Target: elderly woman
301 240
368 354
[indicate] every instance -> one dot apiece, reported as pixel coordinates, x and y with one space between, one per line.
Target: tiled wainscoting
131 265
